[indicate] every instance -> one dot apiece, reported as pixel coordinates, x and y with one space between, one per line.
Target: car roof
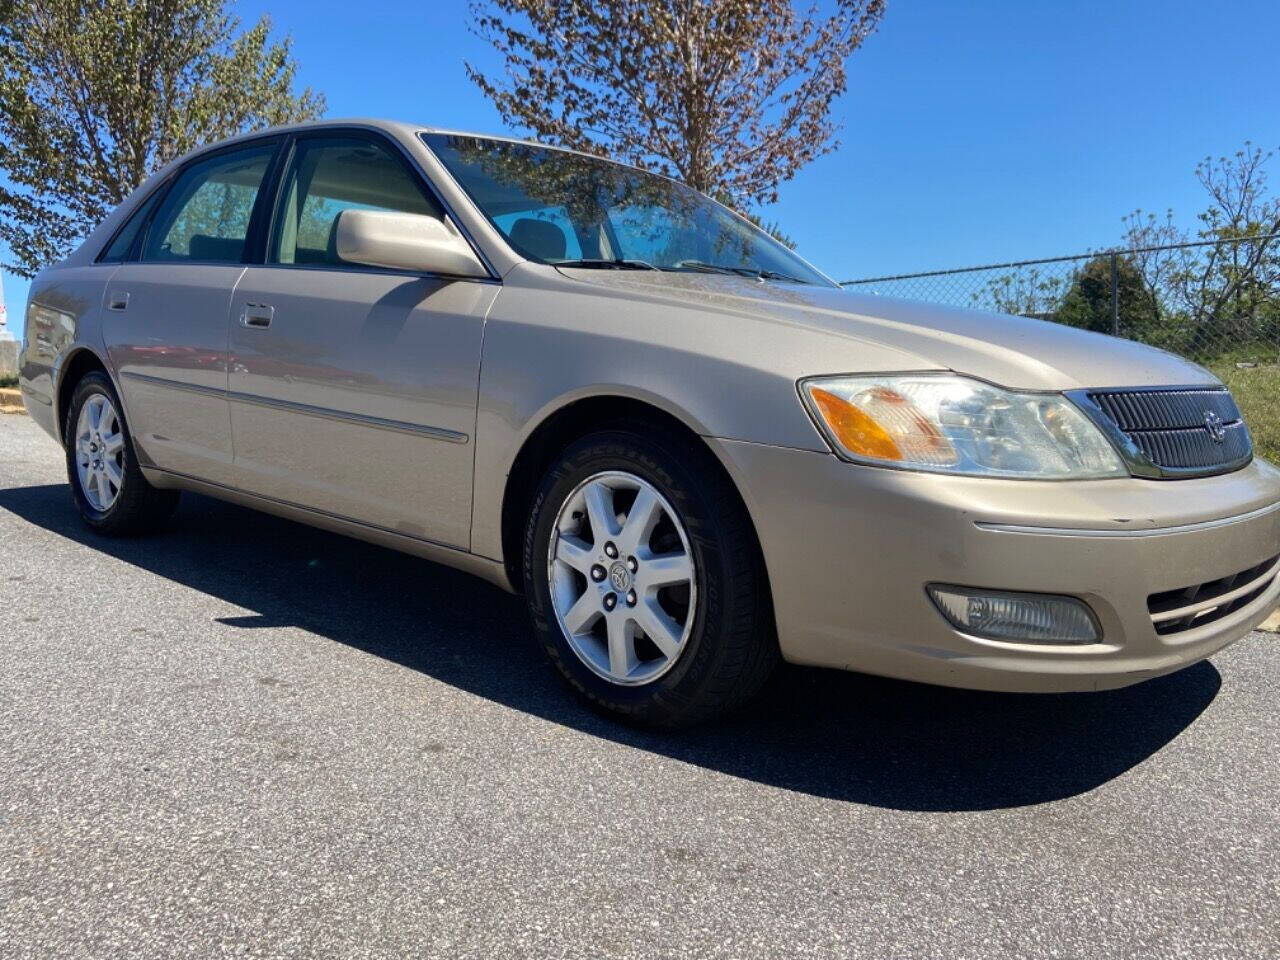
394 127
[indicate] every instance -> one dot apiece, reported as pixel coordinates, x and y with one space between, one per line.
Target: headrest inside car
538 238
216 249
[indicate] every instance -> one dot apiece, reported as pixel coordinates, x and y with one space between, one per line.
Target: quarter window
123 245
329 175
205 216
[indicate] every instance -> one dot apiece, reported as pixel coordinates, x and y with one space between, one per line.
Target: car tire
109 490
689 652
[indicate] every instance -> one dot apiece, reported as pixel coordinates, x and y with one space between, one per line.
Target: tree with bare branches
1221 287
732 97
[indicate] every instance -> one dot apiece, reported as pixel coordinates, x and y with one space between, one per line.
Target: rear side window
205 215
329 175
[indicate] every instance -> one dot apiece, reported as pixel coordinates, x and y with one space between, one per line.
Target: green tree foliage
732 97
95 95
1206 294
1087 303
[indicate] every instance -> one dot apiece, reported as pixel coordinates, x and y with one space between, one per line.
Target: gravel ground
249 738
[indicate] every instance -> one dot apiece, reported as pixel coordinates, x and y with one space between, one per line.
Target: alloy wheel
99 452
622 577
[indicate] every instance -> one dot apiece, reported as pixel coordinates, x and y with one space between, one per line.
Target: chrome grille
1178 431
1193 447
1165 409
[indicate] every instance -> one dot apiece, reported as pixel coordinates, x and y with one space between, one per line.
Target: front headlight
952 424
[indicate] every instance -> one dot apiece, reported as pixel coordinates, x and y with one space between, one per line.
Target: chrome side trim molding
1142 532
173 384
360 419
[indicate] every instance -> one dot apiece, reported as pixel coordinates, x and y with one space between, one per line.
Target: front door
353 389
165 322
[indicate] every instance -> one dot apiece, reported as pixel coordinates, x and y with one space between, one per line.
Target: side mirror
405 241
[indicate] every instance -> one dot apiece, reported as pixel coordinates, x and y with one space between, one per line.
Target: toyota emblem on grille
1213 423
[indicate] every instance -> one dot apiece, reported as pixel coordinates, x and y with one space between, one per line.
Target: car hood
1017 352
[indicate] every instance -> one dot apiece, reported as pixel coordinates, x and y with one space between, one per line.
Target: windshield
565 208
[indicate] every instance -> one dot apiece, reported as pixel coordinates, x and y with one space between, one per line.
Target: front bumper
850 550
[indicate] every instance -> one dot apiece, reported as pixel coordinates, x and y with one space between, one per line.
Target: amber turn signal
857 432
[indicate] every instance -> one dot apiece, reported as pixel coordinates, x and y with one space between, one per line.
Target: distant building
5 333
8 344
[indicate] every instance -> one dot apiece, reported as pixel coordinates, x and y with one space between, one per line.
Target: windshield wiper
684 266
618 263
755 273
698 266
783 277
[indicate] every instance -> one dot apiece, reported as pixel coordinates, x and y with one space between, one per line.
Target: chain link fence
1216 302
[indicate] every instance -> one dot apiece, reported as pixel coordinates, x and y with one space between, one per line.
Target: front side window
329 175
565 208
205 216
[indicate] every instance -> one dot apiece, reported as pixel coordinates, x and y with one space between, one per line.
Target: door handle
119 300
257 315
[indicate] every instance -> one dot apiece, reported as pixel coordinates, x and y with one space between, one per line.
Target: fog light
1016 617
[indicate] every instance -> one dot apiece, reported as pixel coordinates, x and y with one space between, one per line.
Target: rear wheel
645 581
109 490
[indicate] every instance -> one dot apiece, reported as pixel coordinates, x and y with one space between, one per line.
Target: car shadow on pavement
845 736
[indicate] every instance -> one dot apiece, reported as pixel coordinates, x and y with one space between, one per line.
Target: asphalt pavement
244 737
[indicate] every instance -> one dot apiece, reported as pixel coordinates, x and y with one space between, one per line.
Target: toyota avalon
691 451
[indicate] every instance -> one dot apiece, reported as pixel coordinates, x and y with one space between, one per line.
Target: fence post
1115 294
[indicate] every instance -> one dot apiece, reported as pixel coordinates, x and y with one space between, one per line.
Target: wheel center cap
620 576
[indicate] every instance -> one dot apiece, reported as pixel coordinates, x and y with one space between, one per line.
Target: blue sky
973 132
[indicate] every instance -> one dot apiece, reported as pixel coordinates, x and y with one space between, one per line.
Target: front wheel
108 488
645 581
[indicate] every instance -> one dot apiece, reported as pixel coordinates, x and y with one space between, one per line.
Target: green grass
8 381
1257 391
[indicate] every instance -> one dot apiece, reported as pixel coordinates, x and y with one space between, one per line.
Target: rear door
353 388
165 313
